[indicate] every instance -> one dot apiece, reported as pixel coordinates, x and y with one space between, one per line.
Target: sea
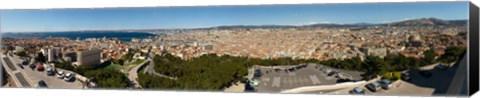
123 36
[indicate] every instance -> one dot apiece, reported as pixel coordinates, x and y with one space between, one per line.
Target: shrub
387 75
397 75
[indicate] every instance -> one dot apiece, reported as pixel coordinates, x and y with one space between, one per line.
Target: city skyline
52 20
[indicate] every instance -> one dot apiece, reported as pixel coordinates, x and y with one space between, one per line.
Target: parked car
442 66
277 70
374 87
291 69
425 74
254 82
20 65
25 62
32 66
343 80
42 84
69 77
386 84
406 77
92 84
40 67
50 72
357 90
332 74
257 73
61 74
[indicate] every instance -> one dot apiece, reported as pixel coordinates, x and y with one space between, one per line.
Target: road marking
276 82
291 73
328 78
290 81
314 79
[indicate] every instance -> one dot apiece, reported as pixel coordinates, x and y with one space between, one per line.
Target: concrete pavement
33 76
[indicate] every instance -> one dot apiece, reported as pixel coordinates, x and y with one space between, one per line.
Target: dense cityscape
243 59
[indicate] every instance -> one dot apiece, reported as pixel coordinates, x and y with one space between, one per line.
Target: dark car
32 66
406 77
25 62
42 84
357 90
385 84
374 87
425 74
277 70
333 73
442 66
20 65
291 69
343 80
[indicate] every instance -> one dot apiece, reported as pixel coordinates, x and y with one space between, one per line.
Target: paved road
133 74
150 70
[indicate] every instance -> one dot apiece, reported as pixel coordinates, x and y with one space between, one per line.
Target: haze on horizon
210 16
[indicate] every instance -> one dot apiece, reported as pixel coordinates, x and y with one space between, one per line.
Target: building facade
52 54
89 57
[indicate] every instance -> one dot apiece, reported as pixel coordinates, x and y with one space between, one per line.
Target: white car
69 77
61 74
50 72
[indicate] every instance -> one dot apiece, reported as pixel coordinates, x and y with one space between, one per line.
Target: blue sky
209 16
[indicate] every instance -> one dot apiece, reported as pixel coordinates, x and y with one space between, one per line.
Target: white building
52 54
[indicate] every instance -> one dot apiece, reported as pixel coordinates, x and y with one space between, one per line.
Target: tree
376 65
65 65
387 75
452 53
40 58
10 48
108 78
429 56
22 54
119 61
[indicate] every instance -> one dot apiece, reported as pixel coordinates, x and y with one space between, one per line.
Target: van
374 87
386 84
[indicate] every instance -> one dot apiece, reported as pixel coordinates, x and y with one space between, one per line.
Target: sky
48 20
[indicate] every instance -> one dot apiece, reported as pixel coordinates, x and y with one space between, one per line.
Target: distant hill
429 22
412 22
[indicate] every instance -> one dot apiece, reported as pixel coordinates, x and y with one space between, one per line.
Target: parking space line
303 82
290 81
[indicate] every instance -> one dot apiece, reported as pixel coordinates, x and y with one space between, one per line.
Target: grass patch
133 64
114 66
138 61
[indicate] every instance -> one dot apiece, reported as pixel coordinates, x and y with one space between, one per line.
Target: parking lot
51 81
276 79
436 84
